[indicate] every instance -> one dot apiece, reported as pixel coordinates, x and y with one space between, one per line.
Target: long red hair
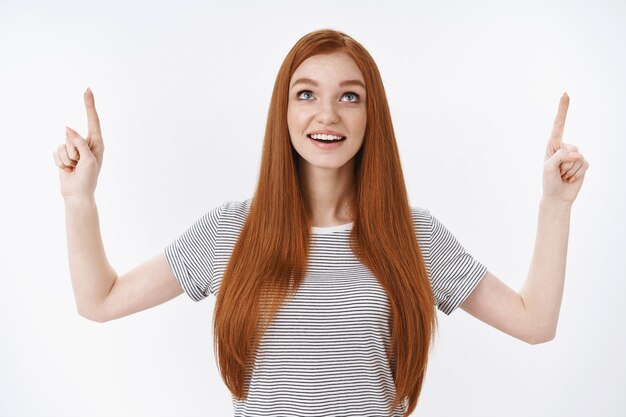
269 260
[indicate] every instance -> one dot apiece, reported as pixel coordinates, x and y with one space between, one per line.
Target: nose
327 113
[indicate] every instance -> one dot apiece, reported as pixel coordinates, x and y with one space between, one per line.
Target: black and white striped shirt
324 354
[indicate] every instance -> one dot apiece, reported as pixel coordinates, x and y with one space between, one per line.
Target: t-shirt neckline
330 229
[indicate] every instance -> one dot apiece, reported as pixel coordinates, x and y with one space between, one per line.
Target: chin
324 163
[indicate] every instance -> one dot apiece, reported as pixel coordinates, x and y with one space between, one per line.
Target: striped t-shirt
324 353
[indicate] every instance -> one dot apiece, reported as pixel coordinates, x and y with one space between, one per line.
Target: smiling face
327 103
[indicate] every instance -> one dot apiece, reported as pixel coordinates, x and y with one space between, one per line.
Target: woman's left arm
533 313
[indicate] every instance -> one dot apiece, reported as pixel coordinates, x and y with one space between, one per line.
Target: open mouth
326 138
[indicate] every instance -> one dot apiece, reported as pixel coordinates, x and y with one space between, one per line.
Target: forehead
335 66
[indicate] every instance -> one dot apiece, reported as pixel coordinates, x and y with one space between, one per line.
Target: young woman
327 279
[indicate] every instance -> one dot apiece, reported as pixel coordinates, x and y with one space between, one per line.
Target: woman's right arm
100 294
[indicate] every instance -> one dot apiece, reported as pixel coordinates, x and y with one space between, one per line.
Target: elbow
92 315
539 338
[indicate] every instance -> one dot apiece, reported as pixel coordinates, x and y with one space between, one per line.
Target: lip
326 132
327 146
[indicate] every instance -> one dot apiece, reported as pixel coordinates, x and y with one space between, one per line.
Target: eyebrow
341 84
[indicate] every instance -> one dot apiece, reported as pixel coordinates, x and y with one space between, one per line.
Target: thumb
79 143
563 155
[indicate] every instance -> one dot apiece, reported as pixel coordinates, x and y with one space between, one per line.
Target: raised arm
533 313
100 295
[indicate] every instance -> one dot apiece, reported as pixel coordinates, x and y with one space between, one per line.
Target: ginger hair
269 259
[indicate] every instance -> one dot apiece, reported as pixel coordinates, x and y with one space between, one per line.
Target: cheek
295 119
358 122
291 126
360 127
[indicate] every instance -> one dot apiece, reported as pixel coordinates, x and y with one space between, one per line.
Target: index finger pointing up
92 116
559 121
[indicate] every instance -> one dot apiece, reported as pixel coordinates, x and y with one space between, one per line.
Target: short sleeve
191 256
454 272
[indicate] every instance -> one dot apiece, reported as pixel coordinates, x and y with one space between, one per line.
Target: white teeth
325 137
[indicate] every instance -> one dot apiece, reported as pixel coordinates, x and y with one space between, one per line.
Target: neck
327 192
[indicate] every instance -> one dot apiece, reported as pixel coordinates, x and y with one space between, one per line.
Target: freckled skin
327 106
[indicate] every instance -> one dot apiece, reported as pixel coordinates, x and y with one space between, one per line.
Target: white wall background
182 89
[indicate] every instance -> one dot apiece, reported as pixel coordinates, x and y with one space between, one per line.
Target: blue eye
353 97
300 93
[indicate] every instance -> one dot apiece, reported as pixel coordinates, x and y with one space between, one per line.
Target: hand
79 160
564 167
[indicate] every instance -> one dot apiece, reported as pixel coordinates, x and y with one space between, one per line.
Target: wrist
79 200
555 205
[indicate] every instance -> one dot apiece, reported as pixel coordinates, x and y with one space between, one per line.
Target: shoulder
230 208
235 208
422 218
231 215
422 223
420 214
